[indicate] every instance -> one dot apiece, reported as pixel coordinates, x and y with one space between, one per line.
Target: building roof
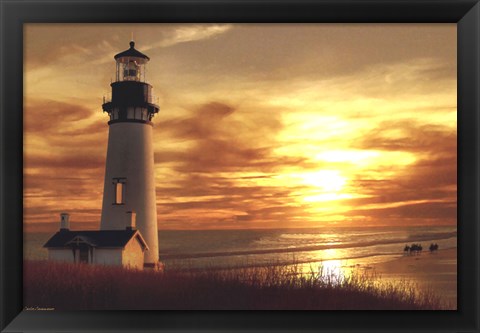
96 238
132 53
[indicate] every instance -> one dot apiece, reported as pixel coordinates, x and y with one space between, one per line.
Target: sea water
198 249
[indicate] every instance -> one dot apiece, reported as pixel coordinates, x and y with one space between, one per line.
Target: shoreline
435 272
69 286
427 272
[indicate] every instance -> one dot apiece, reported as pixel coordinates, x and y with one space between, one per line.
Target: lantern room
131 99
131 65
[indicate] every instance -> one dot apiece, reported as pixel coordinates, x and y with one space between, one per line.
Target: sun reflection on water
329 265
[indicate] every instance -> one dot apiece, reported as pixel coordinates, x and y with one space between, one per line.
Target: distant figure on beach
433 247
414 248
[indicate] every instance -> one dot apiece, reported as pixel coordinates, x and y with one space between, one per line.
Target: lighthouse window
119 194
119 184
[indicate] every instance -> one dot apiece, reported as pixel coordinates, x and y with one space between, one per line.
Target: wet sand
435 271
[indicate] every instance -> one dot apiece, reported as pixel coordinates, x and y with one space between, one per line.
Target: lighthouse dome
131 55
131 65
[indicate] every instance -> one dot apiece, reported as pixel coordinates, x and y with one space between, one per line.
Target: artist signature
37 308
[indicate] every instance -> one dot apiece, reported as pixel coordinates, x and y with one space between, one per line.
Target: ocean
198 249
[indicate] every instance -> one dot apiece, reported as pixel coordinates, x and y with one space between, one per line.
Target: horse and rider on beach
417 248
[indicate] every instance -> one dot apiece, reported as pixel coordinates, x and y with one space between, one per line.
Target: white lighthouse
129 174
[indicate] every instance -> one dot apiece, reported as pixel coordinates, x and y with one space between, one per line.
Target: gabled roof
97 238
81 239
132 53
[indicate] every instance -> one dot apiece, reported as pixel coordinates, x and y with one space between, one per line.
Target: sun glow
327 180
323 186
327 197
352 156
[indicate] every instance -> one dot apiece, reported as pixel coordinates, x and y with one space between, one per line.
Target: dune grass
85 287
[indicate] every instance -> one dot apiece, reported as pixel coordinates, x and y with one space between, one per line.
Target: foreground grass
85 287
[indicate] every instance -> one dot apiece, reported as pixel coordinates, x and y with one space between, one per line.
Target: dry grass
86 287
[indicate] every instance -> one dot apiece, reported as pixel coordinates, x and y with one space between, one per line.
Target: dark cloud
45 196
200 204
68 140
74 160
49 227
414 137
219 143
432 177
50 117
40 190
70 167
200 185
420 211
50 220
206 122
73 156
215 110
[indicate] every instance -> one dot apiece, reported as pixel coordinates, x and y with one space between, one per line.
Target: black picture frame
466 13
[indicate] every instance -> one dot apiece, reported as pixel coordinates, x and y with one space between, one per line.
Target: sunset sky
260 125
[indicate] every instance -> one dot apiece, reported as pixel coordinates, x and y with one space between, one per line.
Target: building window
119 190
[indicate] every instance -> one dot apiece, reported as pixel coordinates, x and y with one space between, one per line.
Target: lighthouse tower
129 174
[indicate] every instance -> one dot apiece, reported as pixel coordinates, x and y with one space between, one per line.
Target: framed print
265 165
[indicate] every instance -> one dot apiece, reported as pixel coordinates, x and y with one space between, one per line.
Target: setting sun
326 180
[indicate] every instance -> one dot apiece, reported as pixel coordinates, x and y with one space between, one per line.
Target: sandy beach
435 271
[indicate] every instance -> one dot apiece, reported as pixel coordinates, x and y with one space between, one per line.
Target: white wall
65 255
107 256
133 254
130 155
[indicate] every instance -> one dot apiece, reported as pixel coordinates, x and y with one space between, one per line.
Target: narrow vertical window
119 191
